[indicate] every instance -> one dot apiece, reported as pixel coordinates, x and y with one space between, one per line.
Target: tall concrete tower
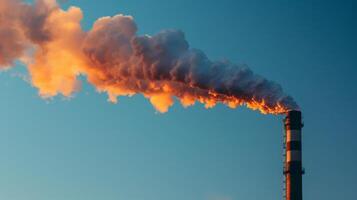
293 170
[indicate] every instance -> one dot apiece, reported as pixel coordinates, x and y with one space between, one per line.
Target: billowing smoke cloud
55 49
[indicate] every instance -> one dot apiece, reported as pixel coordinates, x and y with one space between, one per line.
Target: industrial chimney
293 170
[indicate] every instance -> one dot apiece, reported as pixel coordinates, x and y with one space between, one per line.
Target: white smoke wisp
119 62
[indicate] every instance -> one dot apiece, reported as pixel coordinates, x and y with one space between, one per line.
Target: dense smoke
55 49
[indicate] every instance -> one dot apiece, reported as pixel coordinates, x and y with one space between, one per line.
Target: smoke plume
117 61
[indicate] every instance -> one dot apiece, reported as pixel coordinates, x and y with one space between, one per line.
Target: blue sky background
88 149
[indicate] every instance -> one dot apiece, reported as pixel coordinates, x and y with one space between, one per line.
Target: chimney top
293 120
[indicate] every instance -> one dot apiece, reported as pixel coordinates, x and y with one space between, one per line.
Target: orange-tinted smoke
51 42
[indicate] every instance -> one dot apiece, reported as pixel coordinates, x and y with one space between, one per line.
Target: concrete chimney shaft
293 170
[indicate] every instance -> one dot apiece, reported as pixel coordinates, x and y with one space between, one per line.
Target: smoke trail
51 42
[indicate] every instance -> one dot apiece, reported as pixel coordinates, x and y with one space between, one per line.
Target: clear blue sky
88 149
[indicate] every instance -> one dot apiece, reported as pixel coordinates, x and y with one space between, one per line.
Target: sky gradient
87 149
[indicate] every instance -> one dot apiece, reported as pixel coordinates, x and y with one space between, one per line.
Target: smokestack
293 170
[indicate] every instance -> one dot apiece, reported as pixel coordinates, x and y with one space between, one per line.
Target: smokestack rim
293 120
